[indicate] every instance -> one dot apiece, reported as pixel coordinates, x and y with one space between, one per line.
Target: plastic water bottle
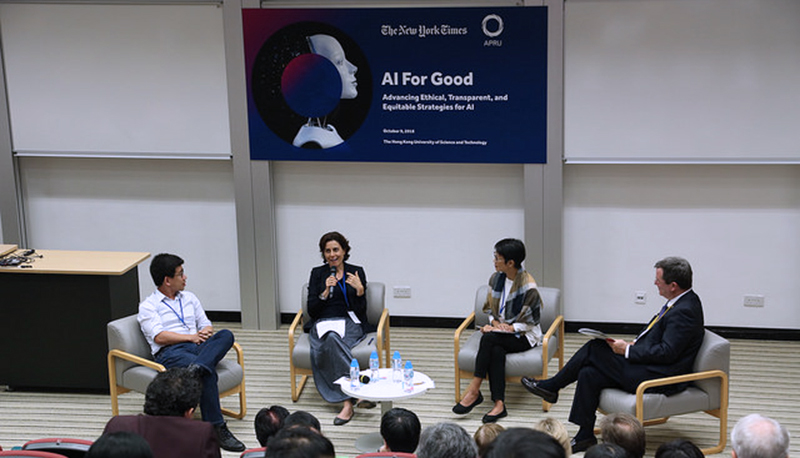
354 373
374 364
408 377
397 368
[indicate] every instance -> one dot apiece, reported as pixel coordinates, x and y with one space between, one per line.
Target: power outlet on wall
753 300
403 292
640 297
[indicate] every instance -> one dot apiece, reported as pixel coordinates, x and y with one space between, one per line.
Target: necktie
654 320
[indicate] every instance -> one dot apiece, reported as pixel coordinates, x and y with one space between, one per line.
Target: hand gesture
355 281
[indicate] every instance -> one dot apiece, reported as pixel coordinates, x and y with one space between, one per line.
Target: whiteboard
682 80
127 80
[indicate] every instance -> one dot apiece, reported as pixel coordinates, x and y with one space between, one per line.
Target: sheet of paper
594 333
326 326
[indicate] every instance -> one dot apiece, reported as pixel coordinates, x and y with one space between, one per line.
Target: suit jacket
170 437
670 346
336 306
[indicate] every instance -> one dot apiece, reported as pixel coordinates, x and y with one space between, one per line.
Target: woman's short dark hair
122 444
511 250
164 265
335 237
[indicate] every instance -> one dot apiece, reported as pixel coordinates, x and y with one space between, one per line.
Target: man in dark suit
167 425
667 346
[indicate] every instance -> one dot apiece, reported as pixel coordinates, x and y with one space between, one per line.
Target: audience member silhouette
679 448
757 436
624 430
446 440
122 444
400 429
484 436
524 443
299 442
268 421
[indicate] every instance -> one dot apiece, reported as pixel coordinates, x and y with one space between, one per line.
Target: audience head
606 450
268 421
511 250
334 237
757 436
302 418
523 443
679 448
400 429
676 270
624 430
446 440
164 265
485 434
121 444
556 429
173 393
299 442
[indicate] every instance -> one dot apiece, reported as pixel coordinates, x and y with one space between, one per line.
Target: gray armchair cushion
126 335
699 396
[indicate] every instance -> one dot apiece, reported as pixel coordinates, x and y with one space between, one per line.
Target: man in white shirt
180 335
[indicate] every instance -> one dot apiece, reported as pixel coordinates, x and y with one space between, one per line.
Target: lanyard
343 287
181 316
503 301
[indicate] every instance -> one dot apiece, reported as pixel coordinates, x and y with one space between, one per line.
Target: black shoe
366 404
341 421
581 445
459 409
533 386
493 418
227 440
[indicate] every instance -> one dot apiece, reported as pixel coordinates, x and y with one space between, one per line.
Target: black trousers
595 366
491 359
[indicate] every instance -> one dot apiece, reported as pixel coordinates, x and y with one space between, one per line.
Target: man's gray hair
757 436
446 440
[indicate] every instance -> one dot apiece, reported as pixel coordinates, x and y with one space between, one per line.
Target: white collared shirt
183 315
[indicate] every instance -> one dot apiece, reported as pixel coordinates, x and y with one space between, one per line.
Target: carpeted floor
763 379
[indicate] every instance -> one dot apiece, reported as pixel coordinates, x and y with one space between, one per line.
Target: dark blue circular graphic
311 85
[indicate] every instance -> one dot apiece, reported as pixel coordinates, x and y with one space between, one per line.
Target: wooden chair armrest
558 325
672 381
298 319
383 338
239 354
136 359
457 336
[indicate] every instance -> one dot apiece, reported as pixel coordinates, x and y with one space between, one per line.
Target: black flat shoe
583 444
341 421
365 404
533 386
459 409
493 418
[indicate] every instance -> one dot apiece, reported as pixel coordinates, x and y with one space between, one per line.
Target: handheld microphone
363 379
333 274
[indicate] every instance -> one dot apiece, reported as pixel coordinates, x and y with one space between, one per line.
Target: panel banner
397 84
